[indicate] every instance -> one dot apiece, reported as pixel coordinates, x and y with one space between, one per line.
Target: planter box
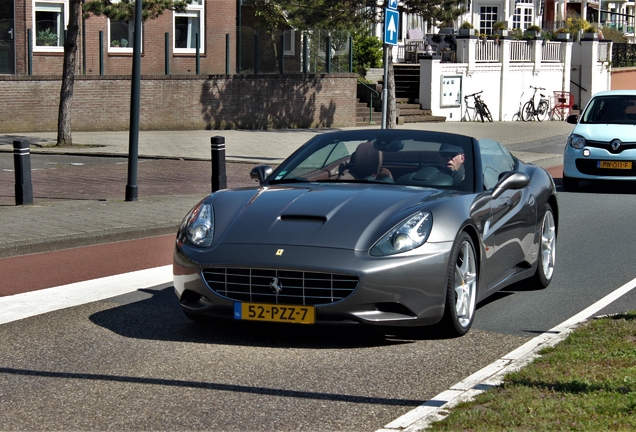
531 33
466 32
502 32
563 36
590 36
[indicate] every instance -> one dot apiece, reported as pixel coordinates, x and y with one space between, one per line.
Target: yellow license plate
614 164
275 313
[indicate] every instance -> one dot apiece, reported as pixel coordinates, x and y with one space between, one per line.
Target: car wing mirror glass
510 180
572 119
260 173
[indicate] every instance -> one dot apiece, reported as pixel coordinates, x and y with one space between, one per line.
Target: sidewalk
94 215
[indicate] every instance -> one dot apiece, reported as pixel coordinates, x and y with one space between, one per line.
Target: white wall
506 85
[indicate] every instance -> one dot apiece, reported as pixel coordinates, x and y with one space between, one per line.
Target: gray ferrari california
378 227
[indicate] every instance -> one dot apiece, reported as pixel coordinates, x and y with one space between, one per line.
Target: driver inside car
453 158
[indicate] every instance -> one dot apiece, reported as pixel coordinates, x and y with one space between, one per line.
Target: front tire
461 292
527 112
547 250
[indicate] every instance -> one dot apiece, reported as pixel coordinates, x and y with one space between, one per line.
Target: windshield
391 157
614 109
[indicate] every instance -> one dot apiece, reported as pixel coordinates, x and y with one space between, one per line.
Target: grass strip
585 383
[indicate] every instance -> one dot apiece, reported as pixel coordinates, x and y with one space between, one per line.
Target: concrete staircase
407 92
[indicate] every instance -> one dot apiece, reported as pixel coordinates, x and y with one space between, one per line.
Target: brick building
106 45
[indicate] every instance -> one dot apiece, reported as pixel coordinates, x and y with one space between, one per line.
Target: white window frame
523 16
495 12
62 26
289 46
194 9
129 48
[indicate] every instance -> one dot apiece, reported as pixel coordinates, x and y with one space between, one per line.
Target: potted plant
590 32
563 34
123 43
533 31
114 43
46 38
466 29
500 28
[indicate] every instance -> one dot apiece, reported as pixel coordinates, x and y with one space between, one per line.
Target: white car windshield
614 109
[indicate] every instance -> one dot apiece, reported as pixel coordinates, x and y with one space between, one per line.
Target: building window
121 35
522 18
187 26
487 17
49 22
289 42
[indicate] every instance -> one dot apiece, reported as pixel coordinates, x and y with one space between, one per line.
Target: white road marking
19 306
492 375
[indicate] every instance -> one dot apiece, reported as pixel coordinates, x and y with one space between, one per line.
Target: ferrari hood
343 216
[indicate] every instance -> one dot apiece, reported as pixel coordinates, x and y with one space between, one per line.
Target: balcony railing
520 51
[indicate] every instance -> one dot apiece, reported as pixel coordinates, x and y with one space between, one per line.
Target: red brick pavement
108 181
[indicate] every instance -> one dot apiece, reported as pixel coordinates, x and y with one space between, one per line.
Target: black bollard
22 164
219 178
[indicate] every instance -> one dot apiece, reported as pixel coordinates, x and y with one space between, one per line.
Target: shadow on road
156 314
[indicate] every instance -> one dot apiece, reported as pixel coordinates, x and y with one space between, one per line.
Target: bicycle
479 108
539 111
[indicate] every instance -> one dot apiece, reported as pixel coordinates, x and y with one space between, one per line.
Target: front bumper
400 290
576 165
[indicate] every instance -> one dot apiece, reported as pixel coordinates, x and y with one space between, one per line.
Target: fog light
586 152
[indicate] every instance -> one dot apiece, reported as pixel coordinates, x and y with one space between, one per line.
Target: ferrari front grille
279 286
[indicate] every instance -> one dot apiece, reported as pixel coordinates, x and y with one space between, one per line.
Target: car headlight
409 234
198 225
576 141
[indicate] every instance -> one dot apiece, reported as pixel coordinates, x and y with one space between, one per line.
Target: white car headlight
576 141
198 225
409 234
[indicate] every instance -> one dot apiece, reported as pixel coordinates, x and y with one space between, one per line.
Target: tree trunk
64 138
391 114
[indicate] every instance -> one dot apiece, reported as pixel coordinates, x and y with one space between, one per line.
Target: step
422 119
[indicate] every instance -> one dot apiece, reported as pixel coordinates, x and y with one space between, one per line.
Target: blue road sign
393 4
391 25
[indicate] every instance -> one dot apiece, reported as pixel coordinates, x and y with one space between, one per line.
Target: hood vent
303 218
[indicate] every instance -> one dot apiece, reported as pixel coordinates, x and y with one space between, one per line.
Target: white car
602 146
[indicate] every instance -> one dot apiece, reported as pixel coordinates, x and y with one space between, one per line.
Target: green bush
367 52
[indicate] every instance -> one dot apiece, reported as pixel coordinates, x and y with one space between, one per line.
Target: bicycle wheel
543 110
486 112
527 112
480 109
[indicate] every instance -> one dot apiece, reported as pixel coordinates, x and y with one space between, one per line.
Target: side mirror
260 173
572 119
510 180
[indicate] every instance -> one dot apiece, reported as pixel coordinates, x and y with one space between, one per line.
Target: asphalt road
134 362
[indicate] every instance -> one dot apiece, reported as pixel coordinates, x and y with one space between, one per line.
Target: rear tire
547 249
461 291
570 184
543 110
487 113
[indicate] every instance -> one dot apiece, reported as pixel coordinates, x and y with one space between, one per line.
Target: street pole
385 90
133 137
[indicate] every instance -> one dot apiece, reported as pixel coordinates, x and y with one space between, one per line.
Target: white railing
551 52
520 51
487 51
